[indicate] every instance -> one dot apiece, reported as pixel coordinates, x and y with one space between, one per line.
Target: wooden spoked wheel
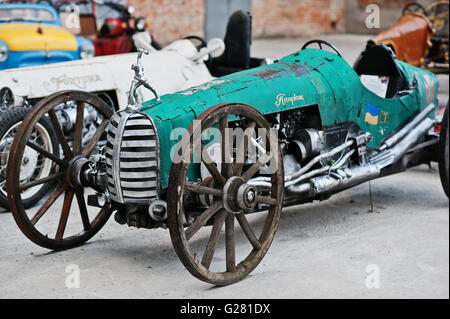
414 7
438 15
229 194
54 224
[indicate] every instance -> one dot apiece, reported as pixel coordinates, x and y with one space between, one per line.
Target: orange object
410 38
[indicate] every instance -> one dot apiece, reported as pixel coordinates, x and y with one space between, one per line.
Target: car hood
36 36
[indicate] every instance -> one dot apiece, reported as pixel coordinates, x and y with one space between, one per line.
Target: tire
444 152
50 226
10 120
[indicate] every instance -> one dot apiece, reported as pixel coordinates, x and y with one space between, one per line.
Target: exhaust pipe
407 128
392 155
401 141
326 183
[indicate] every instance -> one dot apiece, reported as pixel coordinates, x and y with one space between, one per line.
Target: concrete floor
326 249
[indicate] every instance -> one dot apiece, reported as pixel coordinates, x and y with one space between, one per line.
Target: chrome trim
133 164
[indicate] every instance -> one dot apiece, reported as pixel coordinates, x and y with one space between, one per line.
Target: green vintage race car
298 130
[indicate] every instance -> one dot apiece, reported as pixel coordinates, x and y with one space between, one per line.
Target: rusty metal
438 58
65 171
178 187
410 38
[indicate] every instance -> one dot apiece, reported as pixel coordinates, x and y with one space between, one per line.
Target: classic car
178 66
107 77
298 130
31 34
174 67
421 36
110 25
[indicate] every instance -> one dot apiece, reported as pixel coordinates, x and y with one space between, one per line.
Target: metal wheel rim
47 164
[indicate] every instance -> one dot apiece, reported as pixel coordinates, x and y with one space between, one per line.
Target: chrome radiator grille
132 158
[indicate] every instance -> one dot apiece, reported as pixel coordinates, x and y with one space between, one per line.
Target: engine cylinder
308 143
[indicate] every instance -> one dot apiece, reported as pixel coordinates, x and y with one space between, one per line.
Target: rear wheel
63 220
34 166
444 152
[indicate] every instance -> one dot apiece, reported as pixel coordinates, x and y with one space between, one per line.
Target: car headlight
3 52
140 24
87 51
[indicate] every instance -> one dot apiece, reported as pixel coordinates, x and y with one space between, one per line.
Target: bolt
250 196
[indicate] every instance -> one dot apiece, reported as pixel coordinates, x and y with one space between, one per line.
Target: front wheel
63 220
227 192
33 165
444 152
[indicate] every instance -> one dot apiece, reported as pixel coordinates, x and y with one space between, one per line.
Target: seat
238 39
379 60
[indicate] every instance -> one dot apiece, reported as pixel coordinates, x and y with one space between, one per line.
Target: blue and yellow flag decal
372 114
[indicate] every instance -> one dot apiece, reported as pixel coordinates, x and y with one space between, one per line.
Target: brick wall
172 19
390 12
297 17
384 3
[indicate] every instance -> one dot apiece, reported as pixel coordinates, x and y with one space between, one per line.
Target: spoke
41 181
60 134
248 231
213 238
202 189
83 209
47 154
243 149
48 203
64 215
227 170
94 140
262 160
212 168
202 219
78 129
229 243
266 200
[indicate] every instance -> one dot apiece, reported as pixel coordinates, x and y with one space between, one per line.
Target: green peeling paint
308 77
